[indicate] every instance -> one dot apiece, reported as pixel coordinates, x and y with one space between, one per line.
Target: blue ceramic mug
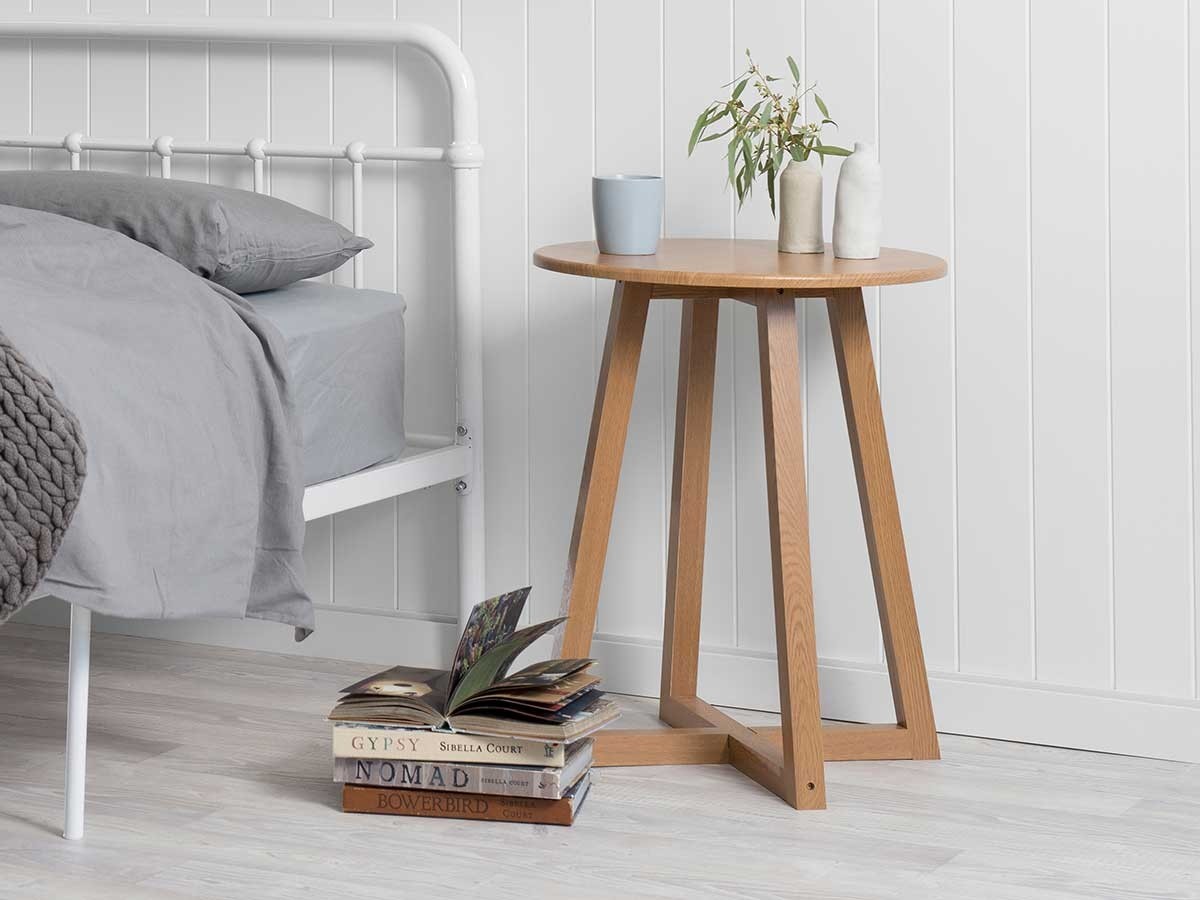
628 213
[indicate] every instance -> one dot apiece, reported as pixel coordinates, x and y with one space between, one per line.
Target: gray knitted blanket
42 466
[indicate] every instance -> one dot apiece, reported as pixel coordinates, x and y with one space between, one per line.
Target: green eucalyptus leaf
821 104
741 86
771 187
747 169
721 134
795 69
735 79
735 144
830 150
696 131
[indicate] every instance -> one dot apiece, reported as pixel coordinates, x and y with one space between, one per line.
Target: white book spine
360 741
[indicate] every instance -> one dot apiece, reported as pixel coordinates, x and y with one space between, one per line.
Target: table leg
689 499
803 771
881 520
602 465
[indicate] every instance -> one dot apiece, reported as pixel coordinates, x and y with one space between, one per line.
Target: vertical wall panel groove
1108 360
1069 324
1193 118
16 73
494 39
916 336
991 248
952 278
562 382
1150 366
627 124
1029 360
697 42
1191 346
840 60
773 34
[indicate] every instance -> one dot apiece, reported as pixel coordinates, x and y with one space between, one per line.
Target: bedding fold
192 505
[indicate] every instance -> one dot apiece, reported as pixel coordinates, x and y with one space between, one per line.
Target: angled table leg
689 499
881 520
602 465
803 775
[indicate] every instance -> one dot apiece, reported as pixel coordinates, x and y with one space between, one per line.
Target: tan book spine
439 805
362 741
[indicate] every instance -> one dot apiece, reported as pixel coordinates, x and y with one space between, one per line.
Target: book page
494 664
490 623
402 686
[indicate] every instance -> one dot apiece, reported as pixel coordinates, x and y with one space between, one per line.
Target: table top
703 262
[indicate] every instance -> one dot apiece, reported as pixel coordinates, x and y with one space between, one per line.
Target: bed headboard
463 154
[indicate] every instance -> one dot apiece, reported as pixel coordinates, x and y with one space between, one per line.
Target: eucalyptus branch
763 132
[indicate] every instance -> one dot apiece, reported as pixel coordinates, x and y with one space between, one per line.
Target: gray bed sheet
192 502
345 355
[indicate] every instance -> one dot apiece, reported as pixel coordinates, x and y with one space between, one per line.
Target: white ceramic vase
857 208
799 197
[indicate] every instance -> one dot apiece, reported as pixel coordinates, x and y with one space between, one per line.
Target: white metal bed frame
432 459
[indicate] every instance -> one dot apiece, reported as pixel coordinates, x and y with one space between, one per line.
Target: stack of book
473 741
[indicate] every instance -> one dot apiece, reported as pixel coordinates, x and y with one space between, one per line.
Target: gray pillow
245 241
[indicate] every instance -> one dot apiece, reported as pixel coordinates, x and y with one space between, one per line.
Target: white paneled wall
1040 400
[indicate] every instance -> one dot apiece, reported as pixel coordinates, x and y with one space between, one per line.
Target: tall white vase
800 228
857 208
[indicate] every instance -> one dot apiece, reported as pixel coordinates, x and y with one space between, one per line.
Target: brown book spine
439 805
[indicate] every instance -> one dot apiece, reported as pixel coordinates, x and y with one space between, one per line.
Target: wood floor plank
212 789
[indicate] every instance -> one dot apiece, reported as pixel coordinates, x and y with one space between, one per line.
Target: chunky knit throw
42 466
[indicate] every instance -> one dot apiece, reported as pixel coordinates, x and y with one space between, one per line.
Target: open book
555 700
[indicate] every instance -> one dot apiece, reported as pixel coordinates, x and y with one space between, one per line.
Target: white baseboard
1056 715
1029 712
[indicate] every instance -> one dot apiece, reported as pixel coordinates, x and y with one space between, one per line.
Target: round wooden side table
789 759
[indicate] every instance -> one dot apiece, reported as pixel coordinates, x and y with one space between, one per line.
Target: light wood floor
209 777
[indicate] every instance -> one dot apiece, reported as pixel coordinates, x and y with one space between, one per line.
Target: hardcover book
435 804
555 701
547 782
367 741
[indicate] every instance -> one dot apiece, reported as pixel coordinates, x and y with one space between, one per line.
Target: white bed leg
465 159
77 719
470 550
